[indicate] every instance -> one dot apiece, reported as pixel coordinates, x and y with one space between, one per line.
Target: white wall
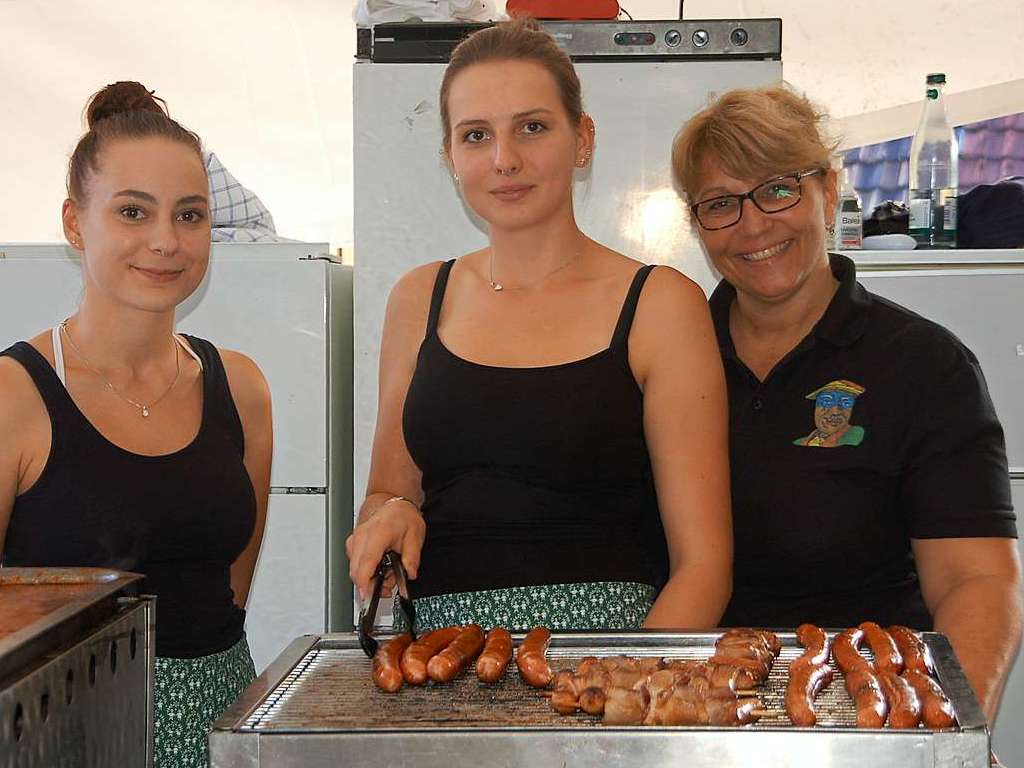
267 83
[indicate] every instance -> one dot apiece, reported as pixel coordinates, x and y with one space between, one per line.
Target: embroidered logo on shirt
833 406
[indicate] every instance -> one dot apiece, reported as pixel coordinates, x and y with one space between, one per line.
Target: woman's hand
388 523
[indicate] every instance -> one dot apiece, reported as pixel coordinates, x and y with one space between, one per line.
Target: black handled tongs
391 561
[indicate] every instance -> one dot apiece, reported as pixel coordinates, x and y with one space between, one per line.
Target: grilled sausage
904 704
808 674
415 657
936 709
495 657
455 657
805 682
860 679
815 641
533 666
387 672
867 695
913 650
883 648
845 650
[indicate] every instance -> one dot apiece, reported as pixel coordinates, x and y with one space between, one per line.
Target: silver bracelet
398 498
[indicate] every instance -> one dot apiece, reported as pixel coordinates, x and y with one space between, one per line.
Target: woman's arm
972 588
385 524
674 355
251 394
10 448
25 445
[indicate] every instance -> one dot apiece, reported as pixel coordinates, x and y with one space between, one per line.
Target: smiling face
832 411
513 146
769 257
144 225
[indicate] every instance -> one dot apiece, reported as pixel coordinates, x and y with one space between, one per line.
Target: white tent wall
268 83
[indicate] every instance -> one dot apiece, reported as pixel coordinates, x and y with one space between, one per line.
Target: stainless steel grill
318 706
76 674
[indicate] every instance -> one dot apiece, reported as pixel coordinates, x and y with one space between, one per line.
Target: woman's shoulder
417 282
249 388
670 296
19 395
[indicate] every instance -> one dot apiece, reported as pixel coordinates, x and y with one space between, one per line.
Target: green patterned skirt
606 605
188 696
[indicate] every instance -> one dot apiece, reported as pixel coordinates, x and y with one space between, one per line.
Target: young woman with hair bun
132 447
551 434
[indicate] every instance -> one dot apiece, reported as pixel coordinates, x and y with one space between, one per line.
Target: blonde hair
752 133
522 39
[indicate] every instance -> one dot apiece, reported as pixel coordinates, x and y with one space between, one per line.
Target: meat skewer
587 688
753 650
671 707
495 657
808 674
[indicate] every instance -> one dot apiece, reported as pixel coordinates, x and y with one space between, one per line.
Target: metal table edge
265 683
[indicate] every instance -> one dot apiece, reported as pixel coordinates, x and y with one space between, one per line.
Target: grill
317 706
76 668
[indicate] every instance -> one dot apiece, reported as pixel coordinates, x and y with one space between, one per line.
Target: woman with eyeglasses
869 474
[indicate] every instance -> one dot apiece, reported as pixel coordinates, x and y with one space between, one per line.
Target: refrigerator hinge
307 490
320 257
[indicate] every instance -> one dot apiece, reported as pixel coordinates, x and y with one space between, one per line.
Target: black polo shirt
822 534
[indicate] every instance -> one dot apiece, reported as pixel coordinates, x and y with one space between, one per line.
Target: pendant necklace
497 287
143 408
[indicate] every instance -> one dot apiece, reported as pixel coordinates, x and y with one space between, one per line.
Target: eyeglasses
773 196
391 561
832 399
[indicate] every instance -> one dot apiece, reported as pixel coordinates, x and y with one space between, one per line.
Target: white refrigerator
288 306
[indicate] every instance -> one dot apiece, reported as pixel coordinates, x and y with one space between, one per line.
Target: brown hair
752 134
122 110
523 40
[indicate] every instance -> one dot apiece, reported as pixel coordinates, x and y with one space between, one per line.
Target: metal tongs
391 561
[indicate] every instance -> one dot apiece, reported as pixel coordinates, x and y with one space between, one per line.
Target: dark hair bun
123 96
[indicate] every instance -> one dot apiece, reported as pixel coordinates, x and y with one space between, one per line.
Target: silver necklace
496 286
142 408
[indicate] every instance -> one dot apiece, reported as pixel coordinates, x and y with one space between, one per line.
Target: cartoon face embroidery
833 406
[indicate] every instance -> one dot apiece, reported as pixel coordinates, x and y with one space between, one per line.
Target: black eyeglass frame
798 176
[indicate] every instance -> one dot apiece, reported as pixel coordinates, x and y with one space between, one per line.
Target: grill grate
331 690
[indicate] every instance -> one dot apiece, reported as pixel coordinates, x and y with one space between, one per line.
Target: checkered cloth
238 214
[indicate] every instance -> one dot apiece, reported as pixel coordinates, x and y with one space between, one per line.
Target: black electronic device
589 40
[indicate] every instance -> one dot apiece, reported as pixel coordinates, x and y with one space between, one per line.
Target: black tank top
180 519
532 475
